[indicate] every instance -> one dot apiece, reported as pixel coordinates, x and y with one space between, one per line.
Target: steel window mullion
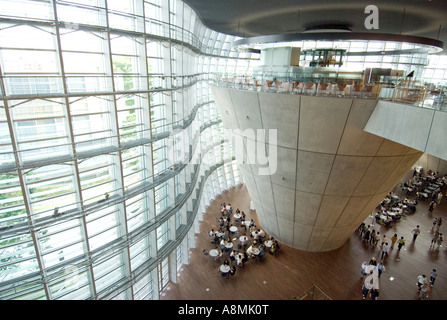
118 168
75 167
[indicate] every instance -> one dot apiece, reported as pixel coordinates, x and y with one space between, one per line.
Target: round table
214 252
224 268
233 229
255 251
229 245
237 216
243 238
268 243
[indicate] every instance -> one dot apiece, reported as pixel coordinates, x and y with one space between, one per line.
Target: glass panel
108 272
27 8
91 13
12 206
17 257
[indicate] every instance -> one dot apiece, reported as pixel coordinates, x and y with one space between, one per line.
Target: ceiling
251 18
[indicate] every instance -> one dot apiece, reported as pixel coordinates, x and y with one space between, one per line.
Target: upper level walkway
410 115
408 92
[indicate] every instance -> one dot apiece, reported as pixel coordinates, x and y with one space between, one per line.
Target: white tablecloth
224 268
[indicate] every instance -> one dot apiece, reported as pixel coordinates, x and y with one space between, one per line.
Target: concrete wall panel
355 141
391 148
284 202
307 206
346 173
318 238
281 113
313 170
322 121
302 235
249 116
268 218
265 191
226 108
285 174
330 210
285 227
378 171
351 211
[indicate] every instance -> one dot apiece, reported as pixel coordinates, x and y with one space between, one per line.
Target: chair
340 89
323 88
296 87
309 87
368 90
267 85
357 90
278 85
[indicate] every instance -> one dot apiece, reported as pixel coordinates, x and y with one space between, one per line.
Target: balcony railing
406 92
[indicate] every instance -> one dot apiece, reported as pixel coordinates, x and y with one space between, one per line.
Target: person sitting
377 216
232 271
240 259
261 233
250 251
273 249
233 255
222 244
215 239
261 253
220 233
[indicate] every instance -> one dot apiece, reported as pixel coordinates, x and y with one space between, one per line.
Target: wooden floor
292 272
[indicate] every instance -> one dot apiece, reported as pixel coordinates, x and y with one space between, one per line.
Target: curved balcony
338 84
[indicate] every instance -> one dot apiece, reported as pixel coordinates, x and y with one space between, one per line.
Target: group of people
373 237
438 237
424 285
426 188
392 209
240 238
371 273
392 204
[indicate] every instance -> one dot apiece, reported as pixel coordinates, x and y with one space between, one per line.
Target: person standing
435 222
440 239
416 231
431 206
374 294
422 279
383 241
433 276
439 198
401 243
393 240
381 268
423 292
363 269
366 286
434 239
384 251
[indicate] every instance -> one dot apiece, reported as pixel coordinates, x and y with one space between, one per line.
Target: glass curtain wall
103 170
